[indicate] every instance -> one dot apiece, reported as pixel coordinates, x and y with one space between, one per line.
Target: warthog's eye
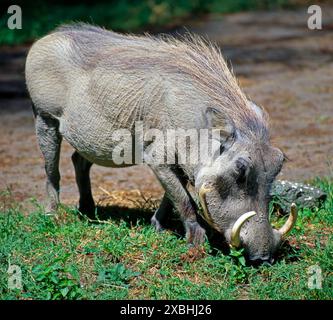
241 170
221 149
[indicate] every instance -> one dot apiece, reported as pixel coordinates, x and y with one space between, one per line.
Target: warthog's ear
216 119
260 112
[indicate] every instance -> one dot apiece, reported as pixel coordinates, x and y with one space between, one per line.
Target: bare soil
281 64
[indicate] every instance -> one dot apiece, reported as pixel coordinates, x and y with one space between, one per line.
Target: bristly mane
192 57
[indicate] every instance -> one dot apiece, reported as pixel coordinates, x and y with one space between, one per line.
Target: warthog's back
95 81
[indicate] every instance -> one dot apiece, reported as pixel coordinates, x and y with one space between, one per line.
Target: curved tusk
202 197
286 228
235 231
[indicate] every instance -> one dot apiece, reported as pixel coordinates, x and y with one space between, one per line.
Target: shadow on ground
135 216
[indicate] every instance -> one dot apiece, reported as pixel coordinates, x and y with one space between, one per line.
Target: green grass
121 15
65 257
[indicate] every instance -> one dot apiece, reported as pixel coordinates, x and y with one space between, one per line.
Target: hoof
50 213
195 234
156 224
88 210
51 209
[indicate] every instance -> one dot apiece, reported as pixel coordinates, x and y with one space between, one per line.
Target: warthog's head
234 194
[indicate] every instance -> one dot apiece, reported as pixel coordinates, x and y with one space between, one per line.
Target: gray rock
284 193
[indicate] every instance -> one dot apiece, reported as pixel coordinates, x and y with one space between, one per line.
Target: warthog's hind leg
82 169
49 140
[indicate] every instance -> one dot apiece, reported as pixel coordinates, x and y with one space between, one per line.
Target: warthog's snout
282 232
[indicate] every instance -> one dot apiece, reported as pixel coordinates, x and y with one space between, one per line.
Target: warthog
86 82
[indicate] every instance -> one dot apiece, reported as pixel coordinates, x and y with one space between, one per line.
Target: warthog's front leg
182 201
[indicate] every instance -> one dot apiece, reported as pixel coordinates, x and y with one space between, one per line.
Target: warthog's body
86 82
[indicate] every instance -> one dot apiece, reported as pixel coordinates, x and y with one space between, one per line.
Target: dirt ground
280 63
